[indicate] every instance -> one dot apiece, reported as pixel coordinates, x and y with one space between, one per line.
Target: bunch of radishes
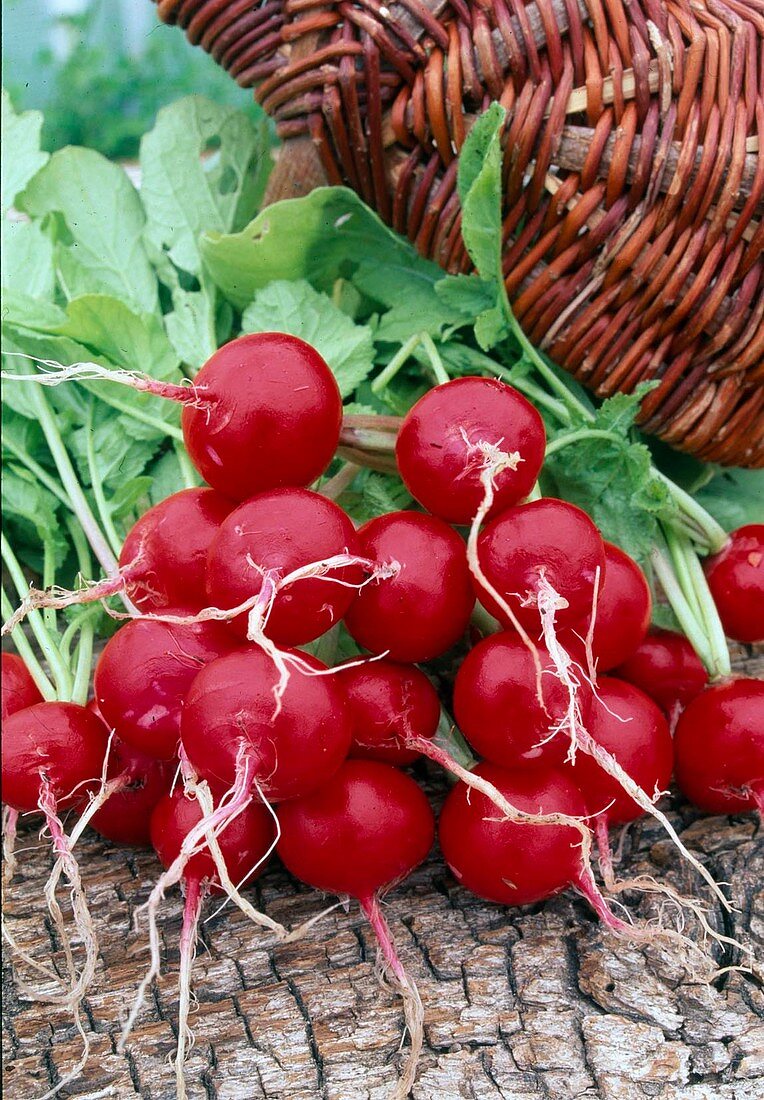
215 738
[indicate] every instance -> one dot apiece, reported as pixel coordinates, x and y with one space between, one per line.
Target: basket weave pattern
633 169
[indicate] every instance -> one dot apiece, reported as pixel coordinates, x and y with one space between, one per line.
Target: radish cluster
216 739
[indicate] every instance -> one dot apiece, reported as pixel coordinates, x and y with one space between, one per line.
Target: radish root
52 373
188 934
204 834
413 1012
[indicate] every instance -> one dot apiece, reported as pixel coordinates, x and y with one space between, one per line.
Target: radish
442 441
244 846
18 688
667 668
164 557
144 674
264 411
736 579
53 754
269 415
234 734
125 818
630 726
497 708
361 833
388 705
622 614
424 609
271 536
719 747
543 559
516 863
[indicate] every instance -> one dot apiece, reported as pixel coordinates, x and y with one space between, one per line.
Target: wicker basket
634 169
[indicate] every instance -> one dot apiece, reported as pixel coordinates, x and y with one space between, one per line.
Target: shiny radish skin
624 609
360 833
736 578
280 531
244 841
164 557
437 449
496 704
719 747
389 704
125 817
545 539
59 746
18 688
269 415
667 668
423 610
231 709
634 730
507 862
144 674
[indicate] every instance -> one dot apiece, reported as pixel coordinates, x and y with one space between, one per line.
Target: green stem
27 654
49 578
84 660
573 437
713 532
97 487
709 614
39 472
555 384
188 472
48 647
402 354
436 363
525 385
534 494
71 484
681 608
449 738
675 545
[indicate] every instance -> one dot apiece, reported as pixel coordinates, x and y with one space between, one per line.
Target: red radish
164 557
243 848
719 747
736 579
442 443
234 732
632 728
271 536
264 411
144 674
540 557
53 756
389 704
516 863
361 833
268 415
243 842
497 708
423 610
126 816
18 688
624 607
667 668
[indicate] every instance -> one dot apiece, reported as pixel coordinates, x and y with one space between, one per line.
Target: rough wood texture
533 1004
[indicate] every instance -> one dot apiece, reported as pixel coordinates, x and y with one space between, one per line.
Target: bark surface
531 1004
